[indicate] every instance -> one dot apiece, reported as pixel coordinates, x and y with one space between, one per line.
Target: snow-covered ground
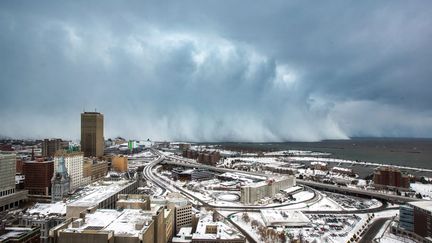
424 189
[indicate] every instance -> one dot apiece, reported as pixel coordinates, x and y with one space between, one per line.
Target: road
198 202
373 230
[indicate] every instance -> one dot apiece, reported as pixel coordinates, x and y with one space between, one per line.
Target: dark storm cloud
210 71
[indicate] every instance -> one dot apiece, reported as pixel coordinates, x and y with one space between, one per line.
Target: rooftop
97 192
284 217
222 231
425 205
47 209
128 222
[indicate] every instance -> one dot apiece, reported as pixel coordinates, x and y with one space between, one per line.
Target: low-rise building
45 216
109 225
19 234
101 194
208 231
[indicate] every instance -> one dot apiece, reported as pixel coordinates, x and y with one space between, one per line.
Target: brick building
390 177
38 176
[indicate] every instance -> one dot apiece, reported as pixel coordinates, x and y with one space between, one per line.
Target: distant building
120 163
60 182
203 157
50 147
180 173
9 198
38 175
344 171
92 134
254 192
390 177
74 162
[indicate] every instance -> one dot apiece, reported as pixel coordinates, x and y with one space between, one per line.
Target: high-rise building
38 176
60 181
92 138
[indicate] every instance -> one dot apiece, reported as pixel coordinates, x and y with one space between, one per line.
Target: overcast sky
217 70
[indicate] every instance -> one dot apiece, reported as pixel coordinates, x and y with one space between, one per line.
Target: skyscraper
92 139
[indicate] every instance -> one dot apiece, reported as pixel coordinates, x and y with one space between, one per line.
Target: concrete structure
101 194
74 162
108 225
119 163
9 198
50 147
92 134
38 176
208 231
180 173
254 192
169 223
61 182
19 234
45 216
133 201
182 210
390 177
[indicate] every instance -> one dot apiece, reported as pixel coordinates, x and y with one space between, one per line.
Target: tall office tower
92 139
60 182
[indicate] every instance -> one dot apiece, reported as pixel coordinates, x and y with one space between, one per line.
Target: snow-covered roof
426 205
127 222
46 209
223 231
284 217
97 192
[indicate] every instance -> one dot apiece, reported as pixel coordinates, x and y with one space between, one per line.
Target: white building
74 162
251 193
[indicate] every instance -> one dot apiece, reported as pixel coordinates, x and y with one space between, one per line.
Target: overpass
357 192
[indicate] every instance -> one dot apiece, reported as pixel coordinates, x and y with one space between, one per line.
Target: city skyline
193 71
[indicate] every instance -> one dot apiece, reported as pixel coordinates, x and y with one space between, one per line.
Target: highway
164 184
